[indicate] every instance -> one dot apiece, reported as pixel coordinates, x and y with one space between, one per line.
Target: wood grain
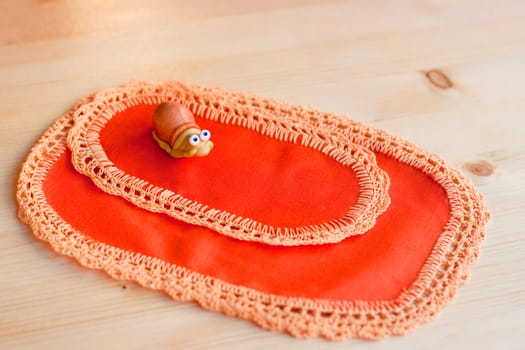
448 75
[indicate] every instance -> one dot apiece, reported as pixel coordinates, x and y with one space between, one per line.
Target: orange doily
274 175
382 282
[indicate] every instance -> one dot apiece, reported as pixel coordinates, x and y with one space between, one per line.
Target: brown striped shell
170 119
175 131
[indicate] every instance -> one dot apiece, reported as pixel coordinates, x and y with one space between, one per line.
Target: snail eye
205 135
194 140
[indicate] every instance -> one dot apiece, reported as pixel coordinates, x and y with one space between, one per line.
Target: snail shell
176 132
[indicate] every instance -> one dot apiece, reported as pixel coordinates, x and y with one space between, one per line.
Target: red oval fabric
247 173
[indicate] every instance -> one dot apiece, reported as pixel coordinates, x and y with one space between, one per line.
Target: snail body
175 131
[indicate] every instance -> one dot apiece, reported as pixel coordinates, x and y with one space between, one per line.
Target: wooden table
448 75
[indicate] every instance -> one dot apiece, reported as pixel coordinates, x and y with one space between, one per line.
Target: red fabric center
246 174
375 266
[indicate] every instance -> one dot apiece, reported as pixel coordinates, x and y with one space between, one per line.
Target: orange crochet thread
445 268
90 158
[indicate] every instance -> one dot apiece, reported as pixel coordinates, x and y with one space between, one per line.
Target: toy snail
176 132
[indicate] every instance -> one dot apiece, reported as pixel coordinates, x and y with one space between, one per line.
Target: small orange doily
399 273
157 188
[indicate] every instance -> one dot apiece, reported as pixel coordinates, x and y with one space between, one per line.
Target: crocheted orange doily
397 274
282 181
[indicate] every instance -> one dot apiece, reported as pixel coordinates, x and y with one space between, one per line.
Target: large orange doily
418 226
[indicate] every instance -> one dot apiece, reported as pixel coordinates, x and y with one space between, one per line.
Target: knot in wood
480 168
439 79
